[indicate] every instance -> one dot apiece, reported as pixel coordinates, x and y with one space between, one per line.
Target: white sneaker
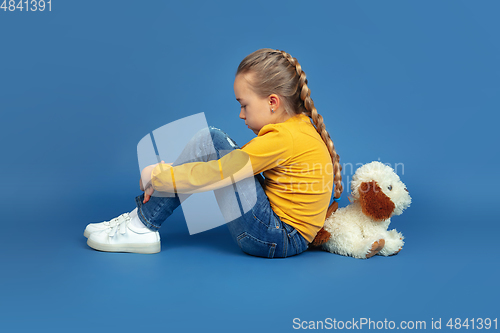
93 227
122 236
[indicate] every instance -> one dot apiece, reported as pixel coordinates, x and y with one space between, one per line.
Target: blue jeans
258 232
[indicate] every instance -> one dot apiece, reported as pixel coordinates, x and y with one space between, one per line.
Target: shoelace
118 223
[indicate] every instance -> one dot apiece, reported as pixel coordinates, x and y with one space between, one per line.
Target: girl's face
256 111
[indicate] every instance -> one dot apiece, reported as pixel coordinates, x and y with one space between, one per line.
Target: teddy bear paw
376 247
397 251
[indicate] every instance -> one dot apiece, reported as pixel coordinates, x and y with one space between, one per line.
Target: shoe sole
131 248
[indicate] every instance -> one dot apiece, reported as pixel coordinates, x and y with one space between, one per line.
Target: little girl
296 156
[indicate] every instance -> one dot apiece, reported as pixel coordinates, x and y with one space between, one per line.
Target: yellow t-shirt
295 162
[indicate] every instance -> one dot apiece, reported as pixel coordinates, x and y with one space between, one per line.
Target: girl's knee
220 136
216 132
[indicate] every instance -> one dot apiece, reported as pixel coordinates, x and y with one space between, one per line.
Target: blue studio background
411 82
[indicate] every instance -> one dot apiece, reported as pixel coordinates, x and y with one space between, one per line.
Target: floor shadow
217 239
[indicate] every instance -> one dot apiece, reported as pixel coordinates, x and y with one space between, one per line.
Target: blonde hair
277 72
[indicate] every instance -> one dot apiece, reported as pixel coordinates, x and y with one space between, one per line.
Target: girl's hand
146 179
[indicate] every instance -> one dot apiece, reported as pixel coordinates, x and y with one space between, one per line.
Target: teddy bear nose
406 189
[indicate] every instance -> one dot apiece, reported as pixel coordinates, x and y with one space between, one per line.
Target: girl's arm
146 179
270 149
197 177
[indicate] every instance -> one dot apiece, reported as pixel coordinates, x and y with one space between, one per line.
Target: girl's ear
374 202
274 101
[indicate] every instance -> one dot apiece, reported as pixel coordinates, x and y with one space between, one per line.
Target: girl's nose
242 116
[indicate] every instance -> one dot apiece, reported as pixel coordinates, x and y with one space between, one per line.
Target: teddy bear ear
374 202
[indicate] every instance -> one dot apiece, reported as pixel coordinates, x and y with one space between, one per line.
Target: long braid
310 110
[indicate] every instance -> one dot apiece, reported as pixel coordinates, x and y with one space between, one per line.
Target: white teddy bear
360 229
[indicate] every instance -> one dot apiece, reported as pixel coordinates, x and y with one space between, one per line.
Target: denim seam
285 242
278 223
292 232
148 224
291 236
296 245
270 254
271 251
266 225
